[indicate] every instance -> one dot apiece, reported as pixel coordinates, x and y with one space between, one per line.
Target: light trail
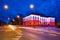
14 29
30 28
53 34
41 30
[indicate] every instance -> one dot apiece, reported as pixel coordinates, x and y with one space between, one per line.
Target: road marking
53 34
17 38
41 30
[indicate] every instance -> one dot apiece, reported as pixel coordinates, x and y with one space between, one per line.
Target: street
39 35
29 33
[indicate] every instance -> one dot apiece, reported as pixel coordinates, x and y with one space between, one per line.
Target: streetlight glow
13 20
8 18
31 6
18 16
12 27
6 6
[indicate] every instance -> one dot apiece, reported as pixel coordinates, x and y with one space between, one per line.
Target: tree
17 20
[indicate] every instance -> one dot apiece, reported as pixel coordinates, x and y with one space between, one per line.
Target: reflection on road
9 33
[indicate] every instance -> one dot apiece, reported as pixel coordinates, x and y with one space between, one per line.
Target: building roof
37 14
40 14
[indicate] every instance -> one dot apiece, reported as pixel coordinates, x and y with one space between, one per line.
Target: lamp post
8 19
18 19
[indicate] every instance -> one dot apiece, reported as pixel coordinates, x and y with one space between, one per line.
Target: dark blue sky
47 7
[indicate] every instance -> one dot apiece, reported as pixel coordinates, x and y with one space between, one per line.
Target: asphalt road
37 34
30 34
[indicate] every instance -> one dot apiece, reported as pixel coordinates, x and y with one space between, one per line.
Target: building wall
35 20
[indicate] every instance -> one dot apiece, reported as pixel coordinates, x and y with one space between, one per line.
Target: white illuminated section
27 18
31 6
48 20
5 6
37 18
52 19
41 19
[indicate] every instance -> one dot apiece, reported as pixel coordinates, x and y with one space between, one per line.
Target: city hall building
37 20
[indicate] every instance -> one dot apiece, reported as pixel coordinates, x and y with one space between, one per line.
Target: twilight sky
15 7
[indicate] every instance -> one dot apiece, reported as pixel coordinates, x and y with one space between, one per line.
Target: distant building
58 24
2 23
37 20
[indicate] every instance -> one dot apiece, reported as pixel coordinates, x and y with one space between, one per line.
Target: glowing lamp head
6 6
31 6
8 18
18 16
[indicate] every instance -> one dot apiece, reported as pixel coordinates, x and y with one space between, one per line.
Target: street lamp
18 16
13 20
18 19
5 6
8 18
31 6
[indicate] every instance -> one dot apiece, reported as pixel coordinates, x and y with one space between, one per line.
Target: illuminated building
37 20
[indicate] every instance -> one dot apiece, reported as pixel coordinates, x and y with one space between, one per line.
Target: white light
6 6
31 6
8 18
13 20
18 16
12 27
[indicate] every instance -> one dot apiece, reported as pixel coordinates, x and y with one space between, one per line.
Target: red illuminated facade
36 20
